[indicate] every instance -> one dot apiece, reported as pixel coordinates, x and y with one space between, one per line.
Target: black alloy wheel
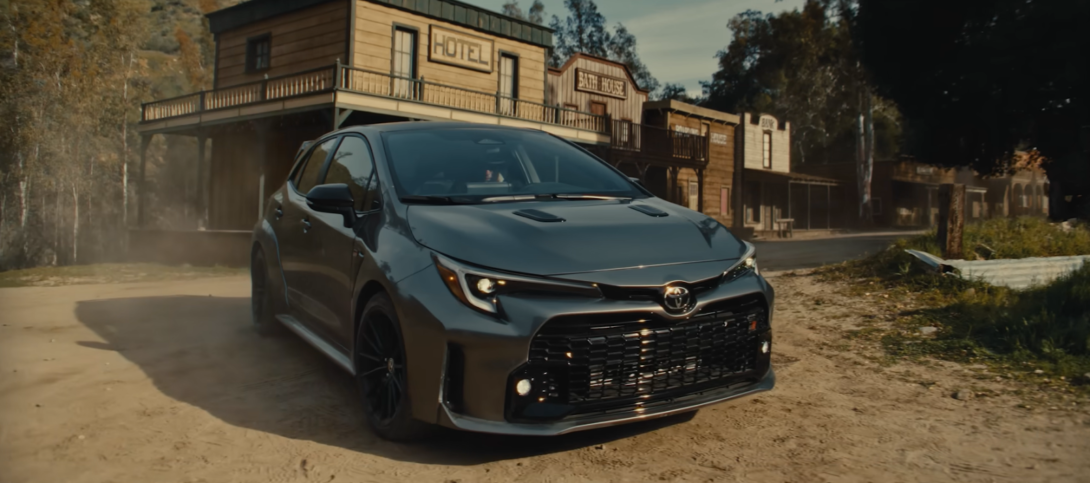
381 375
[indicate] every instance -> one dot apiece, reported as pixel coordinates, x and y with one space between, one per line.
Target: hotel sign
459 49
596 83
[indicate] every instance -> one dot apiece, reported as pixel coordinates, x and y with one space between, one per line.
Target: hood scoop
538 215
649 210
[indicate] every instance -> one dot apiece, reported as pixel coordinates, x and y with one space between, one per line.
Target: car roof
425 126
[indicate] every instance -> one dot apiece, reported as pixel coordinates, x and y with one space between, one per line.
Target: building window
404 62
509 86
258 53
724 201
766 151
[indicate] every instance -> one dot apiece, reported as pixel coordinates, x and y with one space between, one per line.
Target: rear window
480 163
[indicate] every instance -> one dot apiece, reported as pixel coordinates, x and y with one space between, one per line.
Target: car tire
262 309
381 375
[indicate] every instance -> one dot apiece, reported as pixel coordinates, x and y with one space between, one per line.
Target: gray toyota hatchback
505 281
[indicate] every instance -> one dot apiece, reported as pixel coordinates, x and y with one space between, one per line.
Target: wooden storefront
717 128
602 86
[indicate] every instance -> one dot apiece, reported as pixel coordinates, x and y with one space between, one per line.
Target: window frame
414 67
252 55
374 170
515 61
303 161
605 107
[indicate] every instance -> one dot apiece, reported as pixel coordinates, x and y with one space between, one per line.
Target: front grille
602 361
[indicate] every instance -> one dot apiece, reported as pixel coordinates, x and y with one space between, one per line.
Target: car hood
594 236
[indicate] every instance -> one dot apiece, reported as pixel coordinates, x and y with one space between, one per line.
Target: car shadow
202 351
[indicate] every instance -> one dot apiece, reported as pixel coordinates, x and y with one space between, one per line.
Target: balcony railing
657 141
382 84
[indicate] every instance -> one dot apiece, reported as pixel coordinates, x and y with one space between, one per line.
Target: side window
353 166
308 176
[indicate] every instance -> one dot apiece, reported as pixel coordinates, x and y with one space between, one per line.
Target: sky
677 39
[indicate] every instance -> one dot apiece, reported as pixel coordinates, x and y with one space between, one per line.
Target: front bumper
454 350
691 402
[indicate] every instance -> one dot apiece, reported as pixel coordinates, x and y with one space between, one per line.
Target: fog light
523 387
764 347
486 285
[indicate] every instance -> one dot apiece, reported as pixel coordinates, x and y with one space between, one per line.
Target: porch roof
793 178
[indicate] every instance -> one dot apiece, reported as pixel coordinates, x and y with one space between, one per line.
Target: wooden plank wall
720 171
374 48
302 40
562 91
234 175
781 144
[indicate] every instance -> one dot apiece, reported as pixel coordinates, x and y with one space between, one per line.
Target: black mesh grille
624 357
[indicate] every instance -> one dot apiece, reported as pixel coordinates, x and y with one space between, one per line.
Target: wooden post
142 195
700 190
262 126
202 211
828 207
738 181
809 201
951 219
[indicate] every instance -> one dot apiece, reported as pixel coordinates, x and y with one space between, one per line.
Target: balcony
361 89
656 145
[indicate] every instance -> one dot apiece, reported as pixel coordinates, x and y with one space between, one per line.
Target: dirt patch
165 381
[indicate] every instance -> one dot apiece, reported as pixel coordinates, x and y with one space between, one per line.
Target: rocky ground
166 382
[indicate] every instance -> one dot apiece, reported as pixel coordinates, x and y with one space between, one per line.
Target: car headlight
480 288
745 265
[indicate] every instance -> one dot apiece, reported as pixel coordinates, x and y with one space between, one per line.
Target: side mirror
635 180
333 198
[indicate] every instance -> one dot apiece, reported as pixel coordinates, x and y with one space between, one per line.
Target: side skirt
338 357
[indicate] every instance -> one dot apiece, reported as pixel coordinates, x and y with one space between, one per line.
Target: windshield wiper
434 200
589 197
496 199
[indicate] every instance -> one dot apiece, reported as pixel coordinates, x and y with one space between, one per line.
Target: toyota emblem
678 299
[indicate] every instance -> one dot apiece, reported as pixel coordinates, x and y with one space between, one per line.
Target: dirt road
165 382
799 253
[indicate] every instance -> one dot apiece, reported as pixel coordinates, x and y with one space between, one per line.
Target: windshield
492 165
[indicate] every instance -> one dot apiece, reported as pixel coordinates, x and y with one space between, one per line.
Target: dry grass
109 273
1045 328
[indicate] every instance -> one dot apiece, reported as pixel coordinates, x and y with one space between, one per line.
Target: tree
535 15
622 48
584 31
979 81
676 92
65 89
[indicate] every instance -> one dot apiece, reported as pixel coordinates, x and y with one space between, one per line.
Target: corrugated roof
1020 273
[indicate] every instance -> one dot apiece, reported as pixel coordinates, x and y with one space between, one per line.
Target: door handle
279 213
306 225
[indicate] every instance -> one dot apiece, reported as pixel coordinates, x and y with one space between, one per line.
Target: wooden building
774 198
709 190
288 71
669 162
599 86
